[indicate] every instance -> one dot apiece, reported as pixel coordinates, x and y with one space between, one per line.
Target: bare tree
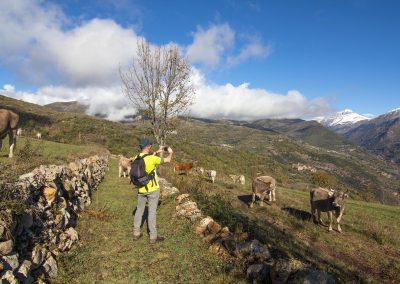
158 83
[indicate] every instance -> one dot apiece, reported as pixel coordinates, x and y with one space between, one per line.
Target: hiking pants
152 200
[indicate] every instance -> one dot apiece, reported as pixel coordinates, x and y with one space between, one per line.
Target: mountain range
379 135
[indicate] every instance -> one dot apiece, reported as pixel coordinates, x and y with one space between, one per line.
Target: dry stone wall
51 198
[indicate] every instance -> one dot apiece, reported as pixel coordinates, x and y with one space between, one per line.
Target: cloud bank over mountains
80 61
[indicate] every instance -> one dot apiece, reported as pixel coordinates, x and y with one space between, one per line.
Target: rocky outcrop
50 199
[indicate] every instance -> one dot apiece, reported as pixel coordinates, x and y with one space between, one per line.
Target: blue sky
252 58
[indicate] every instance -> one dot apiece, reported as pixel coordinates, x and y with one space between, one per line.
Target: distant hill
73 106
308 131
380 135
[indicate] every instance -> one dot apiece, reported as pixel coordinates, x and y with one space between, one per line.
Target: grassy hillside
72 106
31 153
234 148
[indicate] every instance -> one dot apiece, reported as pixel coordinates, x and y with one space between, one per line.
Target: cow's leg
128 171
330 220
12 138
262 197
338 221
273 195
253 199
270 196
119 171
313 213
319 217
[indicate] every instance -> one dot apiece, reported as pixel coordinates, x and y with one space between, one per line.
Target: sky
250 59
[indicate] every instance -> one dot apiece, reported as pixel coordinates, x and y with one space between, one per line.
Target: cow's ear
346 195
330 194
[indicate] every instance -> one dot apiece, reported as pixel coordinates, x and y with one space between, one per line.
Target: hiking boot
136 237
157 240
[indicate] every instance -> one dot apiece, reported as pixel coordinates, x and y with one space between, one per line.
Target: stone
9 278
27 220
50 194
213 228
72 234
202 226
23 273
3 233
182 197
311 276
50 267
6 247
283 268
254 250
258 273
10 261
219 248
38 256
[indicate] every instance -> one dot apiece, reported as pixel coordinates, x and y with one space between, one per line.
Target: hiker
149 192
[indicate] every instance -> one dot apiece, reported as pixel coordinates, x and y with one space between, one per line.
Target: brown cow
179 167
262 186
325 200
124 166
8 125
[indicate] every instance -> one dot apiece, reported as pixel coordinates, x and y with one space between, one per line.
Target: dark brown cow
325 200
8 126
179 167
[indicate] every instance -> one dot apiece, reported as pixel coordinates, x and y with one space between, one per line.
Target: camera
165 148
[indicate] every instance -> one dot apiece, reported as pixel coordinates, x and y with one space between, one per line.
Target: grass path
106 252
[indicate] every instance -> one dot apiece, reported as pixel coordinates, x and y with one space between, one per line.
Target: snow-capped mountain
342 121
380 135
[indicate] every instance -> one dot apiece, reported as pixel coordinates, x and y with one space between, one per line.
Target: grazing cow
39 135
179 167
211 174
19 132
262 186
238 179
8 126
324 200
199 170
124 166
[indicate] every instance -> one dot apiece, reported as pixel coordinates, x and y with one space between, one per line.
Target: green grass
31 153
367 251
107 253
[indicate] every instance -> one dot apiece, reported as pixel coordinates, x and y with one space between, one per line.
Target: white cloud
43 52
253 49
209 45
109 102
244 103
216 46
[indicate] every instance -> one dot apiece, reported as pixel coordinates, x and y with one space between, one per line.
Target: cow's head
339 199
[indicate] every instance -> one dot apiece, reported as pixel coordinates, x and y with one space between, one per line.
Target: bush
323 179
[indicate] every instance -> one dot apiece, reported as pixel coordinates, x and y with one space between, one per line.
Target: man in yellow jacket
149 194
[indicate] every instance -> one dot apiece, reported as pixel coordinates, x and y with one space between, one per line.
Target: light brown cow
179 167
211 174
8 126
325 200
262 186
124 166
238 179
